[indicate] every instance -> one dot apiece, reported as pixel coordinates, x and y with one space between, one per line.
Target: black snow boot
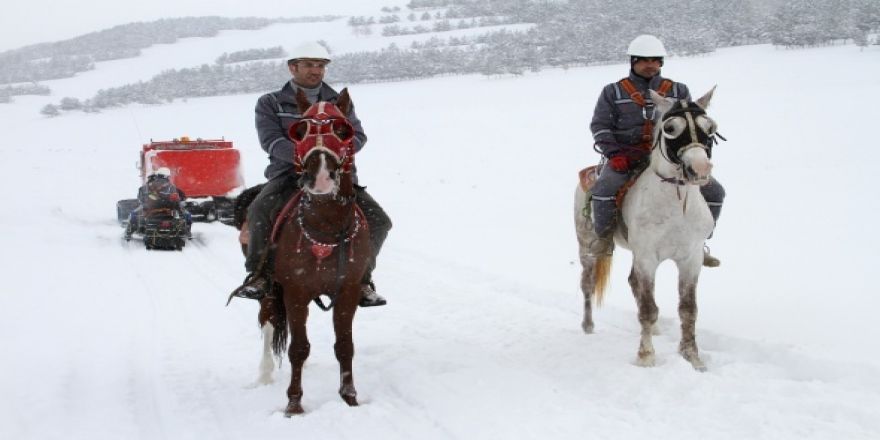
369 297
254 287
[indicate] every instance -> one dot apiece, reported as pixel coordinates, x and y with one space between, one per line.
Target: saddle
587 179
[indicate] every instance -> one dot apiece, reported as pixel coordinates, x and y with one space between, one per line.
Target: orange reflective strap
665 87
639 99
633 93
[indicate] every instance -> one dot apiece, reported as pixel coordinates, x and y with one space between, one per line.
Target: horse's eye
673 127
299 130
342 130
706 124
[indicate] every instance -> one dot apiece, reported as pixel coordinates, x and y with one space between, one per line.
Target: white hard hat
646 46
164 171
309 50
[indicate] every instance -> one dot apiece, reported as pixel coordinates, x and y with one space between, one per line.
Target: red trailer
207 170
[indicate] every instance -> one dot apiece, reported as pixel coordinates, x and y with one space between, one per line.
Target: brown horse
322 247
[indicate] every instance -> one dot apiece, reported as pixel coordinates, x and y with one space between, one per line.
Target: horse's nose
323 182
703 168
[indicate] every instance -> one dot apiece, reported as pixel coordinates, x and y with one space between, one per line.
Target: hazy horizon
44 21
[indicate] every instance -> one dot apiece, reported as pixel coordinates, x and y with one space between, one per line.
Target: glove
174 197
619 163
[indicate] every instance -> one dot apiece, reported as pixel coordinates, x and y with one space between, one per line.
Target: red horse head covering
323 128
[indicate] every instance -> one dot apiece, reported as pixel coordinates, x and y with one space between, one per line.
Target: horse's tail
278 318
240 206
601 274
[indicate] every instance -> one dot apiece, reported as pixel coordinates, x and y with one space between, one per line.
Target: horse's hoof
588 328
691 356
350 400
348 392
647 360
349 395
293 408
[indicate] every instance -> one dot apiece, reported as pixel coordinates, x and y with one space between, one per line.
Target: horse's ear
704 101
343 102
663 104
302 103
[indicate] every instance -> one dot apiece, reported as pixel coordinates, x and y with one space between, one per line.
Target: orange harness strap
639 99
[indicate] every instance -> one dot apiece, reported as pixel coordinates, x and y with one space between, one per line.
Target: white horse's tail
601 275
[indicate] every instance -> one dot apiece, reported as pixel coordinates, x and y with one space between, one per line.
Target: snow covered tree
50 110
70 104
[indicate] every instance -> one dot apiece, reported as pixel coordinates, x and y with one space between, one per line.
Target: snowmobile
159 229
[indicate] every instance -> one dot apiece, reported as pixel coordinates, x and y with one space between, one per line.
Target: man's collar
642 80
295 86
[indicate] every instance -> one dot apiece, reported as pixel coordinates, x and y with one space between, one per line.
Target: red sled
207 170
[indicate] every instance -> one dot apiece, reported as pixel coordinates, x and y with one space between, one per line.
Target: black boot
708 259
602 246
604 220
369 297
254 287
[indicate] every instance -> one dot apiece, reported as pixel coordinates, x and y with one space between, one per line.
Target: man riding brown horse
276 112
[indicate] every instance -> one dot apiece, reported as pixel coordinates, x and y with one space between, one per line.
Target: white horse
664 217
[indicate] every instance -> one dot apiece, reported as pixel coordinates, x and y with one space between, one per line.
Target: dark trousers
604 198
379 223
278 191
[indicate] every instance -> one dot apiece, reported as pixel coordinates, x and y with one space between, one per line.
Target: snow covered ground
482 338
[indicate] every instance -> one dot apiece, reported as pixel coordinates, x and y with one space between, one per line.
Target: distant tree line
819 22
251 55
63 59
6 93
421 4
563 34
787 23
444 25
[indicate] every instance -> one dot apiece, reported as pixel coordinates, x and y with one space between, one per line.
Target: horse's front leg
641 280
687 313
343 317
298 353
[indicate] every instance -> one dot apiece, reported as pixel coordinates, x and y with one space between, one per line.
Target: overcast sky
24 22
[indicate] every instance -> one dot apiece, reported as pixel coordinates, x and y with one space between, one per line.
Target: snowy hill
482 337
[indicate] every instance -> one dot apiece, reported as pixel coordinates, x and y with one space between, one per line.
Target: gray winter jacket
276 112
617 120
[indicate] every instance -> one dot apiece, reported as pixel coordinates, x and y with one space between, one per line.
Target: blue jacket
617 120
276 112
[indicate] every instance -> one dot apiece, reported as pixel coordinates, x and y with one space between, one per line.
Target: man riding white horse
276 112
623 126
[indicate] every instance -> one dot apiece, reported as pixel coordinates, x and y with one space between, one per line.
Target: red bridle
323 127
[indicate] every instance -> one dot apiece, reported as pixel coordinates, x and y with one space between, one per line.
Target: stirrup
708 259
369 297
253 287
